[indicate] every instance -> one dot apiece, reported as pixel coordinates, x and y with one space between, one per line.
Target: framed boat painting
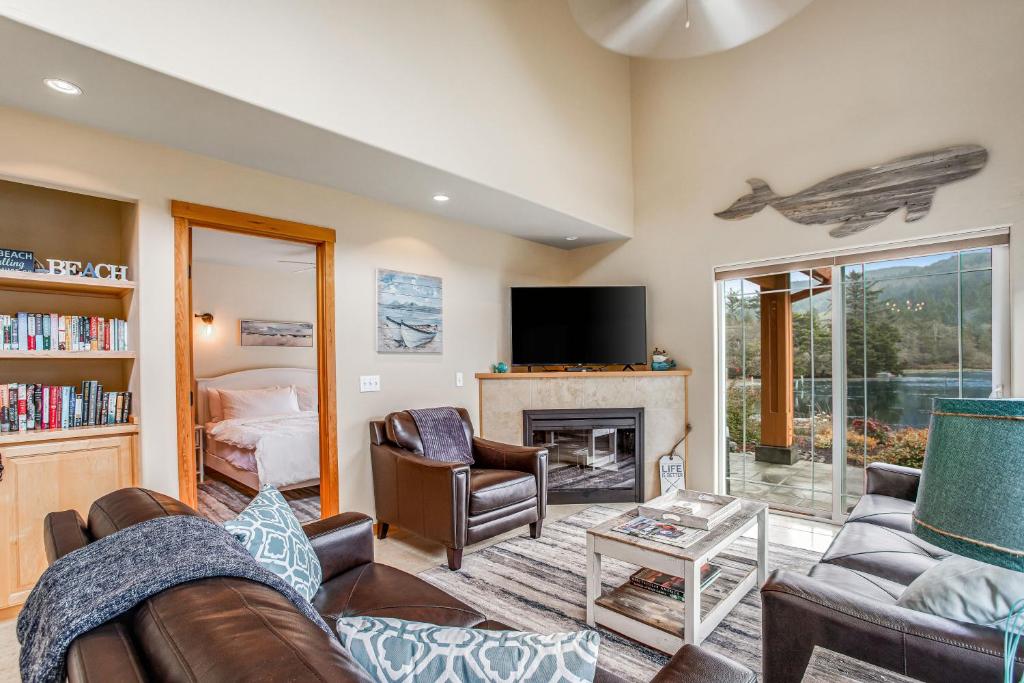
409 308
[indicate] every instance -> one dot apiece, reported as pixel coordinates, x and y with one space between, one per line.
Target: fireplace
594 456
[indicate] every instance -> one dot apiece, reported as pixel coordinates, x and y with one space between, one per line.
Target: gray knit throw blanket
109 577
442 434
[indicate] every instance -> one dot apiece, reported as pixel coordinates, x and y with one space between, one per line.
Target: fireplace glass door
592 454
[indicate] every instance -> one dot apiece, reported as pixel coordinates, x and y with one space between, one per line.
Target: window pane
734 376
853 293
935 264
976 259
976 332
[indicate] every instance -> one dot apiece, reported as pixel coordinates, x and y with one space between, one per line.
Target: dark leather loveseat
453 503
226 629
848 602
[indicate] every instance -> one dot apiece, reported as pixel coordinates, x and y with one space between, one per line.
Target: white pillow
213 406
247 403
307 397
965 590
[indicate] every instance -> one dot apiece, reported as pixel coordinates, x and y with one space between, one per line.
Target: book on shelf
40 407
55 332
672 586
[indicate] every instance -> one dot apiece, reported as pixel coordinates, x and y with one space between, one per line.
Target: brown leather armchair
454 503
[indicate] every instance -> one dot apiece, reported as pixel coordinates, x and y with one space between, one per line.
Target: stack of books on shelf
672 586
36 407
55 332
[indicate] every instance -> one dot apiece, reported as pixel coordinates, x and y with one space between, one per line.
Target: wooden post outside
776 371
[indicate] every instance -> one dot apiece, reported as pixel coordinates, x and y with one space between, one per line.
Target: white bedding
287 447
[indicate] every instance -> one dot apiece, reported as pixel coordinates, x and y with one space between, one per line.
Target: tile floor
415 555
804 484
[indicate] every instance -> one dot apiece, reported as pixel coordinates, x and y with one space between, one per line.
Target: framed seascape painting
408 313
276 333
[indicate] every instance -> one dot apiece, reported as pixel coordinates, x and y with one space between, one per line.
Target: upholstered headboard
254 379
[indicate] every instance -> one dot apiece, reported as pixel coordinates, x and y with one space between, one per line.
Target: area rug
540 585
220 501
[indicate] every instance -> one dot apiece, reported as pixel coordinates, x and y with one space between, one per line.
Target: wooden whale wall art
861 199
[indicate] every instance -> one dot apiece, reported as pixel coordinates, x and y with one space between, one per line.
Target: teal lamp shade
971 499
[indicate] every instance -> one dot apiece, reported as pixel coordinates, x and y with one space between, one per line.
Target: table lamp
971 498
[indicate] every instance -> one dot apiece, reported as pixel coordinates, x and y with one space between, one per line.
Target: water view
899 401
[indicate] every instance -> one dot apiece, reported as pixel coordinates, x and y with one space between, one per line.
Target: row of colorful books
51 331
33 407
672 586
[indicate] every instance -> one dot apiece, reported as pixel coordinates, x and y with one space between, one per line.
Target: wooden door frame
187 216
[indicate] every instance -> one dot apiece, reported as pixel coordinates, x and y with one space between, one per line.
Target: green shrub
906 448
734 404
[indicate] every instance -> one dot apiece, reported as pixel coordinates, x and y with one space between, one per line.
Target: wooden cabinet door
47 477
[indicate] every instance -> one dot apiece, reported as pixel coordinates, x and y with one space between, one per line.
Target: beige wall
841 86
234 293
509 94
477 266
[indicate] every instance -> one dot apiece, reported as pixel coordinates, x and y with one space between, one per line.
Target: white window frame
1001 354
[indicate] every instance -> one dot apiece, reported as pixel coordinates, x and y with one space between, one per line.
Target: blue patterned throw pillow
395 650
269 531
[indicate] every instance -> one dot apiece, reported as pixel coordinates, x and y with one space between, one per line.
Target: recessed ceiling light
62 86
571 238
441 198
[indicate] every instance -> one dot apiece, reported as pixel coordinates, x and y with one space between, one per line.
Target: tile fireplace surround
662 395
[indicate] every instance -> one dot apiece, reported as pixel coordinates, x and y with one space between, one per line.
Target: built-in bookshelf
88 321
65 466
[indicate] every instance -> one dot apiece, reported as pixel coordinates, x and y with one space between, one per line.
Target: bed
272 445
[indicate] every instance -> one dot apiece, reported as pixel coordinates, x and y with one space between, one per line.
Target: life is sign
104 271
673 473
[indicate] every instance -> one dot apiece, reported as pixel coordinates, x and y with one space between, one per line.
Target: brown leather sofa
848 602
453 503
225 629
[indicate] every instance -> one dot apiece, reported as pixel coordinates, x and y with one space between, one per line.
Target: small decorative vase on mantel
660 360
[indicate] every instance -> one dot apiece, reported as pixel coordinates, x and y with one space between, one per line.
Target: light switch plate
458 379
369 383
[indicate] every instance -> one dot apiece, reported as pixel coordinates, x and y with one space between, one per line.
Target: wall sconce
207 329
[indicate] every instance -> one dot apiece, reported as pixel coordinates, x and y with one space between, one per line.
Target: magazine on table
672 586
678 536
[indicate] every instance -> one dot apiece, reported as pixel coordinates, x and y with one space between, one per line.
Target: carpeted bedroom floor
221 500
539 585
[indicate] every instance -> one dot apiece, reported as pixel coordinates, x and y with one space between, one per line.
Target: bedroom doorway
255 361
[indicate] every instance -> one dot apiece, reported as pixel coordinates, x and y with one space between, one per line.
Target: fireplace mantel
662 395
594 374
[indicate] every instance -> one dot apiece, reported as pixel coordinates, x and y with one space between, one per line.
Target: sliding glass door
897 332
778 369
915 329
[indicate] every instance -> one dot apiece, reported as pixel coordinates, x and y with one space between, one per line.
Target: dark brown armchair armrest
915 644
894 481
105 653
503 456
693 664
341 542
424 496
63 532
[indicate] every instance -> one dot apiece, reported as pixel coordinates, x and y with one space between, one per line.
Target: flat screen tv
579 325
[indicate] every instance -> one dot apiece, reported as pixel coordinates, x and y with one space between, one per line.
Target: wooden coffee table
660 621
